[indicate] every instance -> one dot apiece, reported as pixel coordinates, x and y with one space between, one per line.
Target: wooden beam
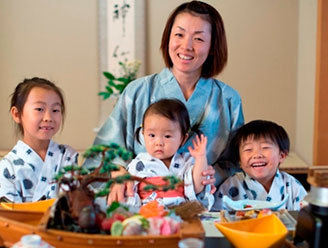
320 146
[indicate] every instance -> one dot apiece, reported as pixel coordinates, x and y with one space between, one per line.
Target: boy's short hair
255 129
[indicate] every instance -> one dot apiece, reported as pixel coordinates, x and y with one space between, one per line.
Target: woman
194 49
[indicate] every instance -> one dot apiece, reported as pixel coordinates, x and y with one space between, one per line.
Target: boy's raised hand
199 146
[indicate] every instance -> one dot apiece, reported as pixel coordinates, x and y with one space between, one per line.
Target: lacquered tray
16 223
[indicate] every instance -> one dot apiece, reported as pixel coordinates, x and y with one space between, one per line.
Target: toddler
165 128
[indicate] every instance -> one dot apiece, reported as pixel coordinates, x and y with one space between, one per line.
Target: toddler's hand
119 191
199 146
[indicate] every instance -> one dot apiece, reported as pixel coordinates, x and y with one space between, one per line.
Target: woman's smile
189 44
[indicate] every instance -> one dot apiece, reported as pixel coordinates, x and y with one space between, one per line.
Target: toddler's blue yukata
25 177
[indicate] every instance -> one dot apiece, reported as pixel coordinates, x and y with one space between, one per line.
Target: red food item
248 206
240 214
100 217
106 224
118 216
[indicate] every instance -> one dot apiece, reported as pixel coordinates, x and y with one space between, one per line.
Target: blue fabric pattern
25 177
256 191
213 104
144 165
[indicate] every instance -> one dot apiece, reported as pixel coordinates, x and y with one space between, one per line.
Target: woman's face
190 42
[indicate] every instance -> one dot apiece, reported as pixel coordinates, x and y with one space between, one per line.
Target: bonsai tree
76 209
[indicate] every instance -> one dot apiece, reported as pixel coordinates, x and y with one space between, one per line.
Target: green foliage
116 85
150 187
144 223
108 153
112 207
118 179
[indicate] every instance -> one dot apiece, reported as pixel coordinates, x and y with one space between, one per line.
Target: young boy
260 146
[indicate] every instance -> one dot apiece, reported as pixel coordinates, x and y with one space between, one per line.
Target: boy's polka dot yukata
240 187
24 177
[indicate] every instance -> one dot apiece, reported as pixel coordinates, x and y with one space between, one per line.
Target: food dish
22 222
252 204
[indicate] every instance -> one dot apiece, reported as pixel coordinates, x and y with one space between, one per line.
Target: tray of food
75 219
149 228
209 218
283 215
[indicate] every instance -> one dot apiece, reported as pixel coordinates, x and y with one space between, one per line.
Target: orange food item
152 209
264 212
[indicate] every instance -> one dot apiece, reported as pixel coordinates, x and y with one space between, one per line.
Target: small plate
252 204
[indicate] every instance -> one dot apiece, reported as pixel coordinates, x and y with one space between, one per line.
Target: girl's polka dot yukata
25 177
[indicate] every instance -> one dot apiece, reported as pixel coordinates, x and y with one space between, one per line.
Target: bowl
267 231
39 206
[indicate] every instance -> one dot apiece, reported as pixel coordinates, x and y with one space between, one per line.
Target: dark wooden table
217 242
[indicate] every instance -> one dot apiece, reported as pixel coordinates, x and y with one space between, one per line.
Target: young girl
165 128
260 146
27 171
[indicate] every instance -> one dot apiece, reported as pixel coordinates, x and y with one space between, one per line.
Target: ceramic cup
191 243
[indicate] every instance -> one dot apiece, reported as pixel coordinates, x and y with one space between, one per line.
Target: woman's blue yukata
214 108
25 177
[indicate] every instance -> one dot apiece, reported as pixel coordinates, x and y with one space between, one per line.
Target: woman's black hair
218 53
255 129
172 109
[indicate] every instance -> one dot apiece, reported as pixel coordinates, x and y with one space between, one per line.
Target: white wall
262 39
56 40
306 79
271 59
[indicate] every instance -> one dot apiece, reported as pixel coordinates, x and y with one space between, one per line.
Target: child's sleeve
189 189
218 195
9 189
70 157
298 193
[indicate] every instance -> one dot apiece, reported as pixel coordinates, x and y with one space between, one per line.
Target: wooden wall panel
320 153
